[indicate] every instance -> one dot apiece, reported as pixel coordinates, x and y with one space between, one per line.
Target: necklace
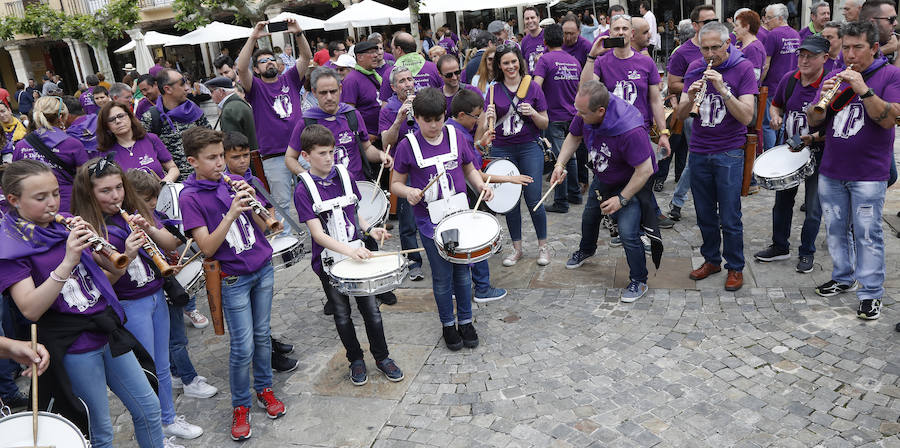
130 148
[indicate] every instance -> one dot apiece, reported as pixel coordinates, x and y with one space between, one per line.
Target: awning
213 32
366 13
151 39
306 23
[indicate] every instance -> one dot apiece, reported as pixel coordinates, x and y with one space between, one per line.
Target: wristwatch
665 132
622 201
869 93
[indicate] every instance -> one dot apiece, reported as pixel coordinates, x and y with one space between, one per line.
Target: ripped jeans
856 203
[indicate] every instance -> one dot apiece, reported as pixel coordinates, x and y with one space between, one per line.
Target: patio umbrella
213 32
142 58
151 39
306 23
364 13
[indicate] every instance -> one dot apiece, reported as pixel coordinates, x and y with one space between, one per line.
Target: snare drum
780 168
286 251
507 194
479 236
53 430
368 277
168 201
374 205
191 278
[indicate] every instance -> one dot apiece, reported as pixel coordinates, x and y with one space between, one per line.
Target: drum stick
481 196
34 386
383 235
272 236
187 246
381 169
193 257
433 181
552 186
402 252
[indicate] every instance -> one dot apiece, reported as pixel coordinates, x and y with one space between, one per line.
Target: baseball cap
220 82
345 60
815 44
364 46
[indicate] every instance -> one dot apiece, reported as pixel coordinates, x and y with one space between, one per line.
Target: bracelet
592 58
58 278
369 230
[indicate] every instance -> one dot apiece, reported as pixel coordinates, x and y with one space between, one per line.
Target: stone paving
563 363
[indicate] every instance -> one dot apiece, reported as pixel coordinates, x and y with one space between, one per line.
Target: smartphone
614 42
276 27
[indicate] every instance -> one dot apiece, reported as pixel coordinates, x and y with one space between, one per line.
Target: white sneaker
512 258
182 429
198 320
170 443
543 255
199 388
176 383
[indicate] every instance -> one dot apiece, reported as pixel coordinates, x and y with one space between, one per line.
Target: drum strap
438 161
337 226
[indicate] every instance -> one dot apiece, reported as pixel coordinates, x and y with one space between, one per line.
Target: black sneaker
281 347
282 363
358 374
805 264
387 298
469 335
557 208
329 308
658 185
665 222
578 259
675 213
869 309
16 402
772 253
833 288
575 201
389 368
452 338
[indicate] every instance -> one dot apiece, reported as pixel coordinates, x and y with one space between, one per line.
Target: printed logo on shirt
634 74
282 104
512 122
712 110
626 90
451 164
345 137
145 160
789 45
600 158
796 122
534 57
566 71
139 273
341 156
80 292
330 224
240 236
848 121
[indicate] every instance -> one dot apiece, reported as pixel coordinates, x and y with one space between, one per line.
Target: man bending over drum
622 159
794 94
325 201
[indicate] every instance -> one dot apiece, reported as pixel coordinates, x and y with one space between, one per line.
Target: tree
191 14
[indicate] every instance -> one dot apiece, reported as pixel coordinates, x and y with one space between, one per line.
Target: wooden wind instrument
100 246
151 248
272 224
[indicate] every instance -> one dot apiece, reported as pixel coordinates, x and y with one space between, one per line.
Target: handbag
542 142
175 293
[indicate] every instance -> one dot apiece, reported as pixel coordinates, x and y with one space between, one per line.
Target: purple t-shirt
781 45
830 65
469 135
579 50
716 130
70 150
857 148
405 163
87 101
428 76
532 49
139 280
245 249
346 144
78 296
762 34
142 106
613 158
249 178
805 31
362 92
756 54
148 154
682 57
449 45
629 79
793 108
561 72
450 98
276 110
387 116
329 188
512 127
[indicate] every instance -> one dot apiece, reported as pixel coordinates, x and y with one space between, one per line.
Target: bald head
851 10
405 43
641 38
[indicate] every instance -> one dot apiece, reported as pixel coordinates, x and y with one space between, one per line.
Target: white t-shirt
654 33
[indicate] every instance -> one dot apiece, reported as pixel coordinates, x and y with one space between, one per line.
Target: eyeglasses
99 169
117 117
473 116
712 48
264 60
891 19
450 75
704 22
179 81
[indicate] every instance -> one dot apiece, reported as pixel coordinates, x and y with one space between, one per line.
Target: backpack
353 123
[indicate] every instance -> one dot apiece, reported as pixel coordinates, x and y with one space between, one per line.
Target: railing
17 7
84 6
154 3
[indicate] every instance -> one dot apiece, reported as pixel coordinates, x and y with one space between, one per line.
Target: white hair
716 27
395 72
620 16
814 8
778 10
736 13
858 3
685 30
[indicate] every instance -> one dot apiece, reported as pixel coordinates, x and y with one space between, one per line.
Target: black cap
220 82
364 46
815 43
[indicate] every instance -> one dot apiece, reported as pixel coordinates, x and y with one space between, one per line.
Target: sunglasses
117 117
507 47
264 60
704 22
450 75
99 169
891 19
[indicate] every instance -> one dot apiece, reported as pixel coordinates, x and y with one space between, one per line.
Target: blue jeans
481 276
408 231
590 219
783 211
148 321
91 372
448 279
529 158
556 133
856 203
768 132
629 225
684 182
191 305
247 306
179 361
716 185
280 182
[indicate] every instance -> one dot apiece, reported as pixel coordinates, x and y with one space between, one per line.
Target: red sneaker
273 406
240 423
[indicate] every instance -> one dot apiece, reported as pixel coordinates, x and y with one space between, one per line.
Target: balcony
151 4
16 8
83 6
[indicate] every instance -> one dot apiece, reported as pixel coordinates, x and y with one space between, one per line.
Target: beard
270 73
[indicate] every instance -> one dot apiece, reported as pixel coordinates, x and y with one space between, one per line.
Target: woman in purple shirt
746 25
56 281
121 134
100 190
518 125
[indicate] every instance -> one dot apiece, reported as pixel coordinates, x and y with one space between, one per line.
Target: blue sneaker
578 259
489 295
634 291
389 368
358 372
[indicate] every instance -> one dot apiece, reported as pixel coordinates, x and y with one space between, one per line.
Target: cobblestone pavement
563 363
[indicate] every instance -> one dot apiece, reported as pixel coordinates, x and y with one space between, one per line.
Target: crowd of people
575 101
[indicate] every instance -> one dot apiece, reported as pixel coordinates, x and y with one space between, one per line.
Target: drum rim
774 151
57 417
440 243
508 185
331 274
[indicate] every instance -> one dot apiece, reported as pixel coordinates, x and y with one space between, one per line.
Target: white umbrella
306 23
142 56
364 13
151 39
401 18
214 32
439 6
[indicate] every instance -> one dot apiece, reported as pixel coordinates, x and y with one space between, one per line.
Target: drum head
53 430
506 195
168 200
283 243
780 161
373 204
189 273
373 267
475 229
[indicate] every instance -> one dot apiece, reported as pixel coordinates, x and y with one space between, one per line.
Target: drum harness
336 226
450 201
